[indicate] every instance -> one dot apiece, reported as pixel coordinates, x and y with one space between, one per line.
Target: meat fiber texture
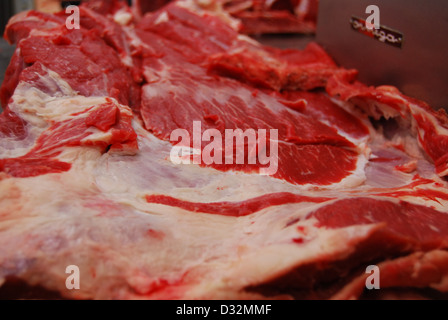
278 16
254 16
86 177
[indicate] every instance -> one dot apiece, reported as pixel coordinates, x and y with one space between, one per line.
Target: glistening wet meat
87 176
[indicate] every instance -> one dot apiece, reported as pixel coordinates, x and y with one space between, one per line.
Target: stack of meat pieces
277 16
256 16
86 177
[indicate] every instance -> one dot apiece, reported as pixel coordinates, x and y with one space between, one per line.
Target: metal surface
419 68
23 5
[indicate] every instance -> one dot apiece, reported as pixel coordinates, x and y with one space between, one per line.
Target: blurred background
419 68
277 23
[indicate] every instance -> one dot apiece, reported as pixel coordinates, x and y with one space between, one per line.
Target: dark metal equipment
410 50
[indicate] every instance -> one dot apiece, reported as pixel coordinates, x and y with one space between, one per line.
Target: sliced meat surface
87 179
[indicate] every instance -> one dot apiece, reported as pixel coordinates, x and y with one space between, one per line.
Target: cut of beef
278 16
86 177
145 6
177 80
255 16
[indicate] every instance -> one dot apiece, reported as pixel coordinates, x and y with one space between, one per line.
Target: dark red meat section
11 125
407 244
406 225
319 106
235 209
72 133
258 16
80 57
181 90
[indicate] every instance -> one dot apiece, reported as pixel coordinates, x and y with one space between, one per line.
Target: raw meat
279 16
255 16
145 6
86 177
